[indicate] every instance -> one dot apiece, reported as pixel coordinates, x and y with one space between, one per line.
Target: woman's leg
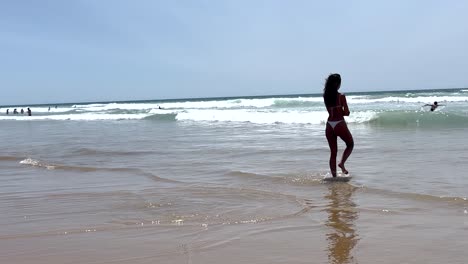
343 132
332 143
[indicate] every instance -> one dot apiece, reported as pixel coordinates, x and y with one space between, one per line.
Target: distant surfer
8 111
337 108
29 112
433 106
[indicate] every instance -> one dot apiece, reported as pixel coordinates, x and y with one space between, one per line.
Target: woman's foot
343 169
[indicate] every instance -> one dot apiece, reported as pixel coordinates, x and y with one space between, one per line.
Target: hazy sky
100 50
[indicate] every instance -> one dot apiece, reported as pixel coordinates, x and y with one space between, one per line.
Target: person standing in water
337 108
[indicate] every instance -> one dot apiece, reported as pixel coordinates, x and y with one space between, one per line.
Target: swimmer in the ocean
433 106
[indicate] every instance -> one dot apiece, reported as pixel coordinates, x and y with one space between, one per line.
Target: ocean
235 180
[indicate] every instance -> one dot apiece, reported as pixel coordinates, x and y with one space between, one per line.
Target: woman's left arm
344 103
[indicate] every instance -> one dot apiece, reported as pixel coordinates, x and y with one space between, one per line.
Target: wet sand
346 225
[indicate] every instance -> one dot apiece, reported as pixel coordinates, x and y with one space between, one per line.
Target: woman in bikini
337 108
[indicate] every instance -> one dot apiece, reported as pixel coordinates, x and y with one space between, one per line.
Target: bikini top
339 106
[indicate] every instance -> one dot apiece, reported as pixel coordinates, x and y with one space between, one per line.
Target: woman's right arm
345 105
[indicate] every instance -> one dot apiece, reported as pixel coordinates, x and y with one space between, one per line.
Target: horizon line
218 97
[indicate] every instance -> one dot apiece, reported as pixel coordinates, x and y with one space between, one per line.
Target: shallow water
187 191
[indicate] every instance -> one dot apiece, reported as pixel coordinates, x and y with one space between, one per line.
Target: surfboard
337 179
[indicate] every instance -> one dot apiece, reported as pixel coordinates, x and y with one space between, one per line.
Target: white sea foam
258 117
36 163
262 103
419 99
30 161
78 117
258 103
239 103
233 103
268 117
117 106
289 110
163 111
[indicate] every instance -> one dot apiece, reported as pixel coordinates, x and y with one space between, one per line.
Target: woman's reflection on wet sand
341 217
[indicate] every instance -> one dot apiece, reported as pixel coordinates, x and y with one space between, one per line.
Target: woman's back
336 112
